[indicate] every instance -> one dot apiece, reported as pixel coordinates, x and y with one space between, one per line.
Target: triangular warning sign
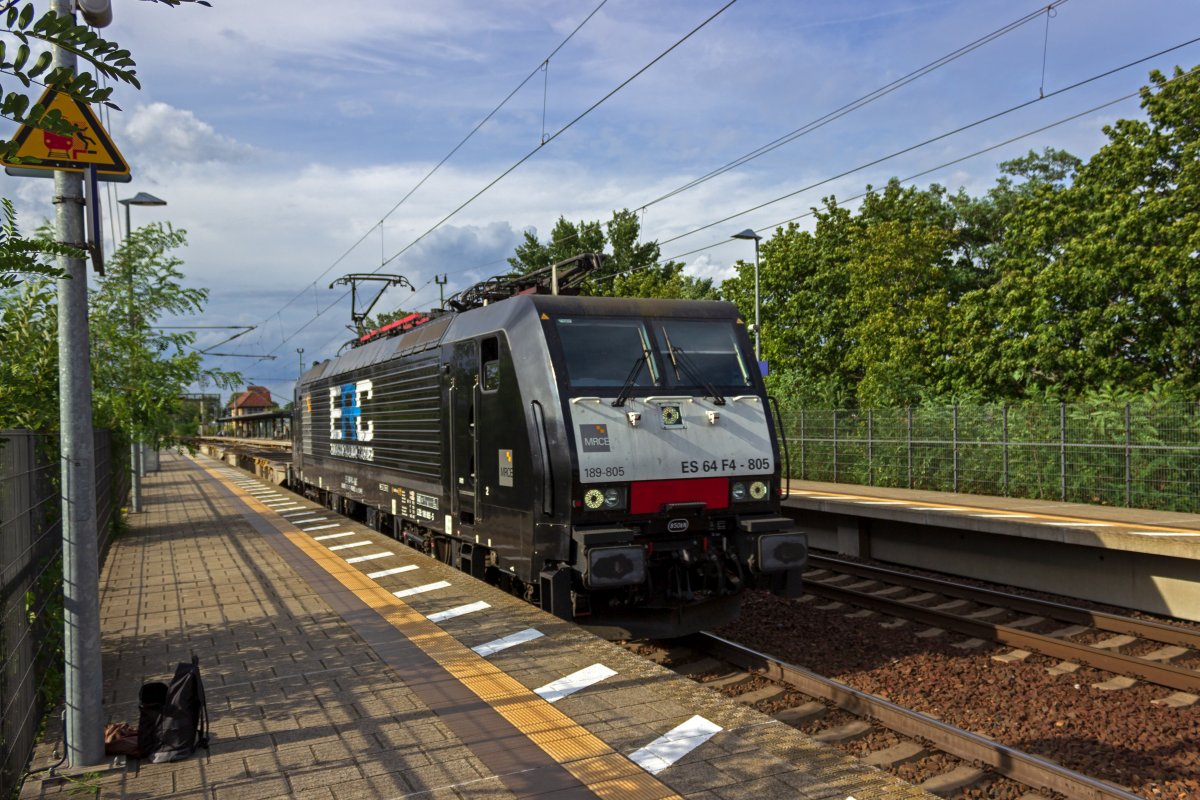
88 146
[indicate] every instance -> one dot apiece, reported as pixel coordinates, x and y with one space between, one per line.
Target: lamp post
300 350
135 450
139 199
750 234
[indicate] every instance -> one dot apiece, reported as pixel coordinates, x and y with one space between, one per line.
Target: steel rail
1146 629
1162 674
1010 762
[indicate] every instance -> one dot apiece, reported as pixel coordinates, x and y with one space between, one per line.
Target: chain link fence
1142 455
31 593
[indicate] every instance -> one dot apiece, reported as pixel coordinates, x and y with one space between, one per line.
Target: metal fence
1143 455
31 582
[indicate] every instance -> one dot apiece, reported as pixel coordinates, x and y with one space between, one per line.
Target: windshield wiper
689 369
681 360
629 382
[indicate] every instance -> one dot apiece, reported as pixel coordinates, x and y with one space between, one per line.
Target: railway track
878 588
1011 763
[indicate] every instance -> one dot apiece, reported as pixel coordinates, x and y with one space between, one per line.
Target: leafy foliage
20 256
1068 276
139 372
631 269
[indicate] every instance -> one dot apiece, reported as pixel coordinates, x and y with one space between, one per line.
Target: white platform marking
372 557
1064 523
1161 533
496 645
674 744
556 690
320 527
306 520
333 536
936 508
429 587
291 507
457 611
363 543
883 502
383 573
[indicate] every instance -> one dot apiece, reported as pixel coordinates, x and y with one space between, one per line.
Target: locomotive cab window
489 357
706 348
605 352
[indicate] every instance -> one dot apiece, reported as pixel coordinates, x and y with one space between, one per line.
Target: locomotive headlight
758 490
612 498
593 499
738 491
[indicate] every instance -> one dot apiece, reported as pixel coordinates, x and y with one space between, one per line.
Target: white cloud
162 134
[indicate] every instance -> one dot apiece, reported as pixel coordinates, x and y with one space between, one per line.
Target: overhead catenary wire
933 139
440 164
843 174
945 164
522 160
762 150
853 105
558 133
859 102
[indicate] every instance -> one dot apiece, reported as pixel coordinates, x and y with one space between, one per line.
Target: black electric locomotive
615 460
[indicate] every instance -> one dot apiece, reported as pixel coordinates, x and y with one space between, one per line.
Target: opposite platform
340 664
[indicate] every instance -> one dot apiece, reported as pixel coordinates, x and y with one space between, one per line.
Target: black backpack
173 719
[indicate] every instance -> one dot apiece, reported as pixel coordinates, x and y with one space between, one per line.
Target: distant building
254 414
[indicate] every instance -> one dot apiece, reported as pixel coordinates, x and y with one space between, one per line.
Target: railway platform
340 664
1135 558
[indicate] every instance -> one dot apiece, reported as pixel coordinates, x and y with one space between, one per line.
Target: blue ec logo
345 412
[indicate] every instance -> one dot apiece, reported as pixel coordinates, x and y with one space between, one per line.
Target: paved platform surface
340 664
1137 530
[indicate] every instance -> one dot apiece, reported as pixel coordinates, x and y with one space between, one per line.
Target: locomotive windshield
602 353
709 349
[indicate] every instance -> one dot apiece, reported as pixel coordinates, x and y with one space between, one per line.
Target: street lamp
139 199
136 466
750 234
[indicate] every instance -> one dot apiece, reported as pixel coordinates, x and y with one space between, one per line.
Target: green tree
853 311
1096 279
631 268
139 371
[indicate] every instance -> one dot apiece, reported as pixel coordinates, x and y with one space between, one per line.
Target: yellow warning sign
89 146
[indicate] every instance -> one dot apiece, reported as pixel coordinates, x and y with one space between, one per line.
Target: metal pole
835 454
84 683
1062 451
802 446
954 454
135 468
300 351
1128 460
757 314
870 448
1005 450
910 481
441 281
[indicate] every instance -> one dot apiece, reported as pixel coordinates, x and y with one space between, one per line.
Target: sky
287 137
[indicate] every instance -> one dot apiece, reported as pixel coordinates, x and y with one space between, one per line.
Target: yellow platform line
604 771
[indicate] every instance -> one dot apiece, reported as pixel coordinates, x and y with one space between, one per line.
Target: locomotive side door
464 389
